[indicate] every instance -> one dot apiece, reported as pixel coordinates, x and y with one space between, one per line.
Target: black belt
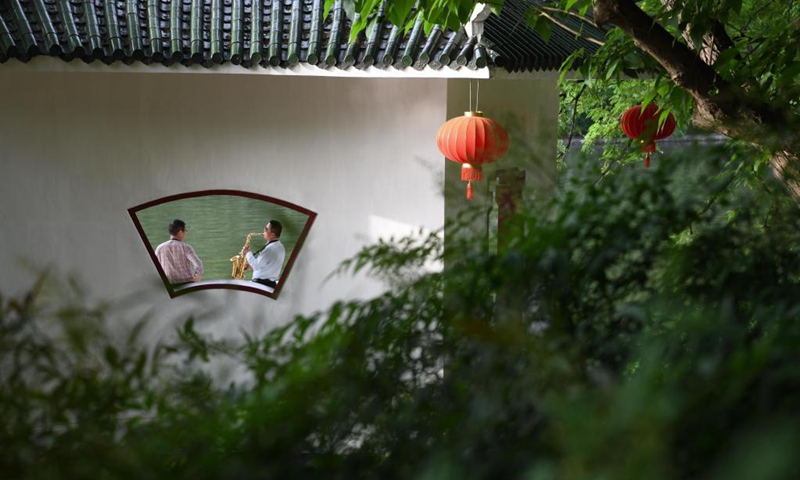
267 282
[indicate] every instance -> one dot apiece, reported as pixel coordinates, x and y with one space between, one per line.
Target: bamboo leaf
349 7
496 7
398 11
663 117
545 29
327 9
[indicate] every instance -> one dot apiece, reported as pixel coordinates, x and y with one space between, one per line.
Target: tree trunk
714 42
785 166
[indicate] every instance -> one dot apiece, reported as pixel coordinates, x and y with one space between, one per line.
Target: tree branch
574 113
563 25
682 65
715 41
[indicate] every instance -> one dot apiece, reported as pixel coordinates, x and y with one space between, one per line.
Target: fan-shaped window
196 239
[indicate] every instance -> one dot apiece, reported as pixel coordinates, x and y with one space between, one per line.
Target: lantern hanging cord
470 95
477 94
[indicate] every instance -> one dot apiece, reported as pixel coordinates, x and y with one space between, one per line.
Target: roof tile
277 33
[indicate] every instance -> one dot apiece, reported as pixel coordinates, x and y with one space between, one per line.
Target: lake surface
218 225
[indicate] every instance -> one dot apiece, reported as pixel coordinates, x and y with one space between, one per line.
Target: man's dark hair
176 226
276 227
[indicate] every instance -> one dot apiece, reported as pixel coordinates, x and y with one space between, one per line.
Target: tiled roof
277 33
517 47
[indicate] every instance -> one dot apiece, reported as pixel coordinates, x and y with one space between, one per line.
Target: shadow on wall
204 250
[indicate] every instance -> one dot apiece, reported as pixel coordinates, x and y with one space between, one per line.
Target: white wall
78 149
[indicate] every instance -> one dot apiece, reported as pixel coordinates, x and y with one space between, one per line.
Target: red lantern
472 140
642 126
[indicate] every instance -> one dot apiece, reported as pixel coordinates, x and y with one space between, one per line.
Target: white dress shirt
269 261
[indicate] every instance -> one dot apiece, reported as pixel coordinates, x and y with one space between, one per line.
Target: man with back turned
178 259
268 261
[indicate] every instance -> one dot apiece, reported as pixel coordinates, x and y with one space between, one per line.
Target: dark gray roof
517 47
278 33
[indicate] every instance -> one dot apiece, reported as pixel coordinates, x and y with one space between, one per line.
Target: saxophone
239 260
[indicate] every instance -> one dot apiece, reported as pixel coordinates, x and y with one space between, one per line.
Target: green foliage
752 46
760 54
450 13
592 113
635 327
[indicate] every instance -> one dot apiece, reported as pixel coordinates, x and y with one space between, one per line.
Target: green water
217 226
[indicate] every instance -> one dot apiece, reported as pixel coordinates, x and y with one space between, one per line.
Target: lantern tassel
471 173
469 190
648 148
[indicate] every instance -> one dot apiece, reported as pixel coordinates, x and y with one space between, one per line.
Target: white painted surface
77 150
51 64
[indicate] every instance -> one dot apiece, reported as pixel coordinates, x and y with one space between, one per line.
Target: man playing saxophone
180 263
268 261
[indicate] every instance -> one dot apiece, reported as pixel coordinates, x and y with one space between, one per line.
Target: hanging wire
470 95
477 94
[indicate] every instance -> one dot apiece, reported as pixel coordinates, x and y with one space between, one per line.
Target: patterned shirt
179 261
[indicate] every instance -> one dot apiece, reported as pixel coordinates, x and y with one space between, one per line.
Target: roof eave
54 64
